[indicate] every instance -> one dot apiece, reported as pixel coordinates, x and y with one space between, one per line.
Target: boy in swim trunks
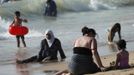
18 22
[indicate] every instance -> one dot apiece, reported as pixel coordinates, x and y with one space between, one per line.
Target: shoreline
59 66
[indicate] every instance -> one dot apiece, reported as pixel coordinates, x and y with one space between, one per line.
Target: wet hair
48 1
85 30
17 13
117 25
121 44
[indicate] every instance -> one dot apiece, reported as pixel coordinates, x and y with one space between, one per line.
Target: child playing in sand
18 22
122 59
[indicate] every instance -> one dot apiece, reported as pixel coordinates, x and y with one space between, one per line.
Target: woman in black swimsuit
84 48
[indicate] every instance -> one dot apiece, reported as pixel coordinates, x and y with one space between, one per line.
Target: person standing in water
115 28
51 8
18 22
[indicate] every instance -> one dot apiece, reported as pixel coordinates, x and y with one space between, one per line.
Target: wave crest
38 6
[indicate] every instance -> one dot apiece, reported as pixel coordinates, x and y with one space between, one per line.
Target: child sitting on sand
122 60
122 57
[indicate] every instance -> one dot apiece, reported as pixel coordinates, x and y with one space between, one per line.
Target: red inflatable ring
18 30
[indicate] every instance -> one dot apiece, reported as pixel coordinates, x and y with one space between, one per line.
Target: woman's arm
42 49
61 50
95 52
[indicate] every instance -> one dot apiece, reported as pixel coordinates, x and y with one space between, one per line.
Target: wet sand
106 62
10 67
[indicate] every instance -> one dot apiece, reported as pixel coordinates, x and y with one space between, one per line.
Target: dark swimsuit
82 62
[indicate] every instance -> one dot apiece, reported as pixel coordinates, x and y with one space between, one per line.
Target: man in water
115 28
51 8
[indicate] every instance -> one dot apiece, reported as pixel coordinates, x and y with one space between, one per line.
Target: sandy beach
52 67
106 62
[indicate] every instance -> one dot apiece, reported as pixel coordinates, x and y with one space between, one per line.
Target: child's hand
102 69
25 20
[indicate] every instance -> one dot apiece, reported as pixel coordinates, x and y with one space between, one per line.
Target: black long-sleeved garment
52 51
47 51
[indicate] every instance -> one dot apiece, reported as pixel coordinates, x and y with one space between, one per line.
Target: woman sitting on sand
84 48
50 46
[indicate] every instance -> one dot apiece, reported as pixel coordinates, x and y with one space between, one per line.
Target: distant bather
51 8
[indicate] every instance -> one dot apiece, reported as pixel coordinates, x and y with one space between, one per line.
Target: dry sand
106 62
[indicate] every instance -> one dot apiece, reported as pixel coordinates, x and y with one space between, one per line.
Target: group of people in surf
50 45
85 47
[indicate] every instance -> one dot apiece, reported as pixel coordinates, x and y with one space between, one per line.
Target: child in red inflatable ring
18 22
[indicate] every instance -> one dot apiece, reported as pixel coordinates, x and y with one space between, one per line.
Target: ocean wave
4 24
118 2
38 6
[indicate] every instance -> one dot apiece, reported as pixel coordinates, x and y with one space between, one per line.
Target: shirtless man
18 22
113 30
